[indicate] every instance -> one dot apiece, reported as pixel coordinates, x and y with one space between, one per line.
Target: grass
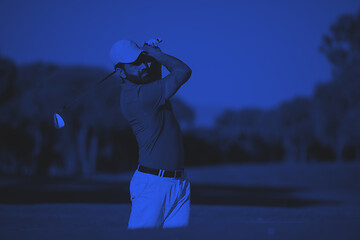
272 201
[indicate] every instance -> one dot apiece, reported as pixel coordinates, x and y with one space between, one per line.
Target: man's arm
155 70
179 72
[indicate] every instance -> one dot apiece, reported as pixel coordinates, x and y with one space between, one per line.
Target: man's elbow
188 73
183 74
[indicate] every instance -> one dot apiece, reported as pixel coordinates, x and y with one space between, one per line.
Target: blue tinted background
242 53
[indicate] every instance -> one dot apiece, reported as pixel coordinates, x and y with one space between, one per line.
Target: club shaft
66 106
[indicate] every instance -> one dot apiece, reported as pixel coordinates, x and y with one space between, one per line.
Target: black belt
161 172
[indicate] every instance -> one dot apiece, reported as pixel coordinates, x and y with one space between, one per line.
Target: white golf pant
159 202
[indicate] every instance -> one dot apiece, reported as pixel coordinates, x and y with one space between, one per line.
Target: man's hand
154 42
151 47
151 51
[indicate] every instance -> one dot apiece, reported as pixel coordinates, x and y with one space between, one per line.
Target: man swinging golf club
159 190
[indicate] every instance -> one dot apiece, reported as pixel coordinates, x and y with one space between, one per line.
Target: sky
242 54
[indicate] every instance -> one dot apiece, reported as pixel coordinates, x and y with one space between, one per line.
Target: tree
342 46
238 130
337 99
329 108
232 123
268 126
8 71
350 129
296 128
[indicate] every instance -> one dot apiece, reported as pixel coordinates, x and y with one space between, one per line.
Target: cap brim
136 56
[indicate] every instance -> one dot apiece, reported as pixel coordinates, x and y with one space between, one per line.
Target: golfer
159 188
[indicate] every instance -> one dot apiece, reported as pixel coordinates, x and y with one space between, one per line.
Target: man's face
138 71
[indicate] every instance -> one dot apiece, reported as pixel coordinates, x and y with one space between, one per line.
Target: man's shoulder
152 94
143 97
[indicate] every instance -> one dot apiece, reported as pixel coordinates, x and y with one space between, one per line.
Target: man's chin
146 79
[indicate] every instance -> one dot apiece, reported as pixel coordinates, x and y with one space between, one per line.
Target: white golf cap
124 51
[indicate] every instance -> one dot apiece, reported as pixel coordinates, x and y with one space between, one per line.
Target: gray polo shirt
152 121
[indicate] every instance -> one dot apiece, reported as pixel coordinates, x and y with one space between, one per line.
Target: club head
58 121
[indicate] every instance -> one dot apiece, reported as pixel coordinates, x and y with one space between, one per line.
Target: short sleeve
152 95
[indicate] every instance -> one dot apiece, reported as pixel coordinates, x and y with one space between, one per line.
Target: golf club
59 121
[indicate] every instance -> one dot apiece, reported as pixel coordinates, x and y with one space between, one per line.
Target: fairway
275 201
